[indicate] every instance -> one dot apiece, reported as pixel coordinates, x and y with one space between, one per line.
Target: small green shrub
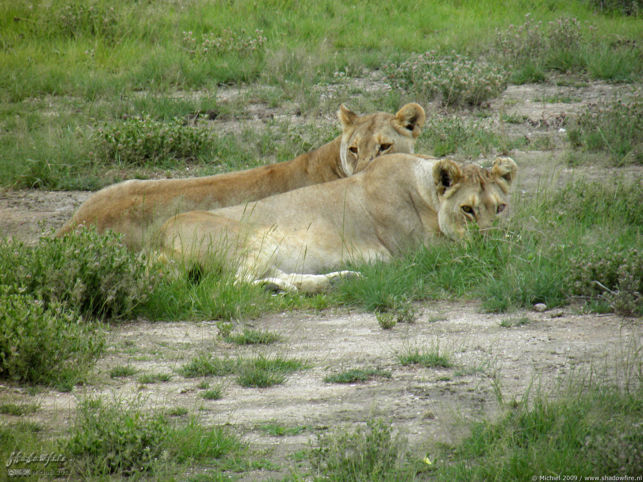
122 371
143 141
213 393
48 345
429 358
614 128
252 337
76 19
370 453
112 439
454 79
264 372
615 275
209 44
87 272
149 378
206 365
124 439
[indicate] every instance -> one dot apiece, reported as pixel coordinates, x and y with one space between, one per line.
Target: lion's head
366 137
471 194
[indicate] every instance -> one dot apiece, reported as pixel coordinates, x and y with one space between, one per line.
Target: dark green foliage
144 141
48 345
89 273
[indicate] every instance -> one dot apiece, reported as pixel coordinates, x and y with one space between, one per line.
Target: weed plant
531 49
373 452
453 79
262 372
613 128
428 358
252 337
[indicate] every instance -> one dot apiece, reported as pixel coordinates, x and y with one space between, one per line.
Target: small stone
540 307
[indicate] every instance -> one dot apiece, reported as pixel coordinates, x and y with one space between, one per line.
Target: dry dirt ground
426 404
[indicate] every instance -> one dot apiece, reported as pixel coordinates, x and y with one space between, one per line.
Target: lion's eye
385 147
501 208
467 210
353 150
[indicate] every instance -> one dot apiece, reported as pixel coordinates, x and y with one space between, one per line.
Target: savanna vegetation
95 92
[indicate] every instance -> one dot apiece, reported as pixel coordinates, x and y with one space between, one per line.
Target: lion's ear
411 117
505 168
346 116
446 173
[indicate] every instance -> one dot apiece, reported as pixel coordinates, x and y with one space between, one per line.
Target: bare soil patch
427 404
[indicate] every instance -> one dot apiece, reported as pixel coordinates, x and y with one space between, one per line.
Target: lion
292 240
137 208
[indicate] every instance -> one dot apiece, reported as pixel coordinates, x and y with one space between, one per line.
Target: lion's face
471 195
369 136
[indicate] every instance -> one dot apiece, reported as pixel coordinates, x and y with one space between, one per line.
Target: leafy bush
454 79
48 345
144 141
92 274
614 128
110 439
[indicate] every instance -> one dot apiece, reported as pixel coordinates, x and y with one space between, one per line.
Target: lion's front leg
304 283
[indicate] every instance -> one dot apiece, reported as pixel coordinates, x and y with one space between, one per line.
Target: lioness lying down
137 208
397 203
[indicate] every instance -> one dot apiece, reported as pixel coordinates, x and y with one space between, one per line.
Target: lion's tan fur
137 208
399 202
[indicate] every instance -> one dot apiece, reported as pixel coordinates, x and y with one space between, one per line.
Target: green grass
277 429
253 337
262 372
18 410
357 375
373 452
589 427
541 258
205 365
67 71
122 439
611 128
428 357
512 322
149 378
122 371
213 393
